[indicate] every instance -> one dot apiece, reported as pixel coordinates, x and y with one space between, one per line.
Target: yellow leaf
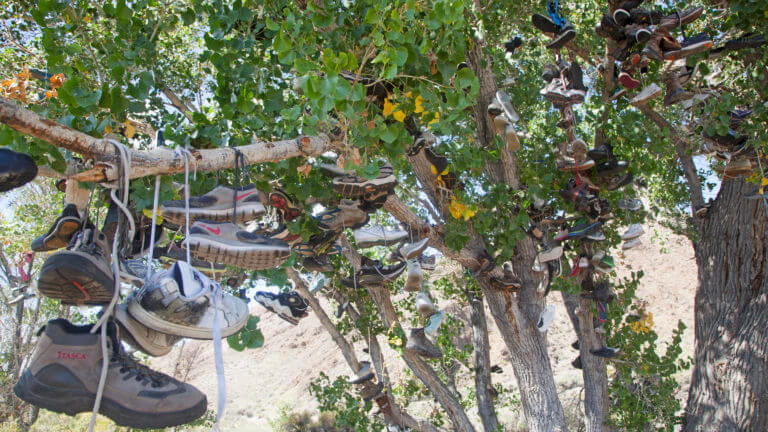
399 116
388 107
107 129
130 131
418 102
764 182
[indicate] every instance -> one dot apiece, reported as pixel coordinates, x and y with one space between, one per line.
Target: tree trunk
482 362
729 386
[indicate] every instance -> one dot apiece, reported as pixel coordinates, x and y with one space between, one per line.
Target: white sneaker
141 337
415 276
424 305
546 318
412 250
378 236
629 244
646 94
596 236
364 374
550 254
634 231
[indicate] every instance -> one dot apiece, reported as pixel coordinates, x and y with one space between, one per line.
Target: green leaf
188 16
248 337
123 12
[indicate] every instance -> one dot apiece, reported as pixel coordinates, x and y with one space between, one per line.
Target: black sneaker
352 186
611 167
544 23
605 352
16 169
81 274
289 306
564 35
61 232
375 274
513 44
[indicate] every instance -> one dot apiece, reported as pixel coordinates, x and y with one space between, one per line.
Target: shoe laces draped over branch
187 155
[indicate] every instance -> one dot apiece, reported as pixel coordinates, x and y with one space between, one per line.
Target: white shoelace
125 162
187 155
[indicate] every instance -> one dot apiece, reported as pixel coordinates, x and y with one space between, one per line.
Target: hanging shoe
424 306
409 251
81 274
622 14
16 169
378 236
284 204
427 263
611 167
513 44
168 255
605 352
217 205
631 244
634 231
546 318
564 35
646 94
503 99
544 23
181 302
61 232
608 28
690 47
675 92
226 243
63 376
289 306
141 337
352 186
321 263
433 323
365 373
569 164
346 215
414 278
627 81
374 274
420 345
681 19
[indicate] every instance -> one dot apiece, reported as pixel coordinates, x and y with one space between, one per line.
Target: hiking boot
564 35
409 251
611 167
289 306
63 376
652 48
16 169
414 278
631 244
284 204
320 263
424 305
575 77
226 243
608 28
352 186
374 274
81 274
141 337
365 373
217 205
371 390
544 23
433 323
181 302
634 231
605 352
511 45
546 318
61 232
420 345
378 236
346 215
646 94
675 92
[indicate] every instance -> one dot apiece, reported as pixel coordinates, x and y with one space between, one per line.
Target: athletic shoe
81 274
511 45
60 233
582 230
596 236
16 169
63 376
427 263
168 255
631 244
505 102
319 244
409 251
374 274
226 243
133 271
605 352
544 23
320 263
352 186
564 35
182 302
550 254
433 323
289 306
618 181
378 236
420 345
608 28
634 231
414 278
217 205
646 94
629 204
284 204
611 167
577 363
508 282
546 318
141 337
365 373
346 215
424 305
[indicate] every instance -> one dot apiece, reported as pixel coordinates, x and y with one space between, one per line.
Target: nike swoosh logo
245 195
216 231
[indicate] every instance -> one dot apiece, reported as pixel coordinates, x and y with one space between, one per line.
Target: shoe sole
245 213
629 82
158 324
688 51
362 244
72 402
581 167
292 321
75 278
354 190
135 334
59 236
560 40
252 257
326 227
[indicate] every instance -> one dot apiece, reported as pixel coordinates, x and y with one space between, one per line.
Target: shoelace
187 155
128 364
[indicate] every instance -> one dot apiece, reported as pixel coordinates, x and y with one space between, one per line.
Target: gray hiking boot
227 243
217 205
63 376
180 302
419 344
81 274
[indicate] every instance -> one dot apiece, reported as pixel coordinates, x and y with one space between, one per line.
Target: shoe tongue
189 285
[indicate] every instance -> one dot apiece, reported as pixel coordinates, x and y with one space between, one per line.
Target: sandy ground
260 382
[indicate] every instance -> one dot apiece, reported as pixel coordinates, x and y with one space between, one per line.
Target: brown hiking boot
63 376
675 92
81 274
419 344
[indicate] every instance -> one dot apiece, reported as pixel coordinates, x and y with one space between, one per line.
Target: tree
288 81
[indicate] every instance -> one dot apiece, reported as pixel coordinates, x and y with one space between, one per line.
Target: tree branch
178 103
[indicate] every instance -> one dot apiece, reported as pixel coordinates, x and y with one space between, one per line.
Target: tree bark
482 362
729 386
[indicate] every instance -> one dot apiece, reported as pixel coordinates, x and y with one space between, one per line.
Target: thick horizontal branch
151 162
